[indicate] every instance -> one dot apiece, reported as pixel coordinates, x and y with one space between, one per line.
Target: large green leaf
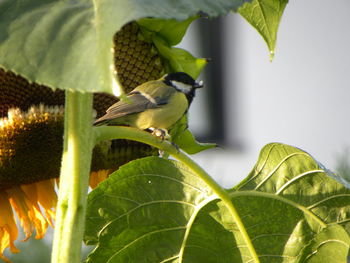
142 212
290 173
265 17
156 210
67 44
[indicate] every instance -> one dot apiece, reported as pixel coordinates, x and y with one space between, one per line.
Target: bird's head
184 83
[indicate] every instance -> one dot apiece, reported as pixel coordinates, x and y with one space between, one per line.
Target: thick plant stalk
109 133
76 159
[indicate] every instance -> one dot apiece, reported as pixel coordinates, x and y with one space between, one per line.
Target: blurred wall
301 98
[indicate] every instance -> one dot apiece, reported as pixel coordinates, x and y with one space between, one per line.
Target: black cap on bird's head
183 83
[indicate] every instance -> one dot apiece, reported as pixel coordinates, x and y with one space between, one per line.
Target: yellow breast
164 116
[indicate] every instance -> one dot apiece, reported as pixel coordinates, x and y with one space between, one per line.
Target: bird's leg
160 133
163 134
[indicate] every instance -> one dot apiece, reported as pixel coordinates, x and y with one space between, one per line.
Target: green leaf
142 212
185 140
156 210
291 173
179 60
172 31
292 178
265 16
166 33
327 246
279 232
67 44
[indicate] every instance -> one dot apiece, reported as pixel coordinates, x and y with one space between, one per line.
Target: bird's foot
160 133
163 135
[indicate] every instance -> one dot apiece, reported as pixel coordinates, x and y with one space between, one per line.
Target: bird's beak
199 84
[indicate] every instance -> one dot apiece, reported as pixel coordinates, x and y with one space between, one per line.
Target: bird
154 105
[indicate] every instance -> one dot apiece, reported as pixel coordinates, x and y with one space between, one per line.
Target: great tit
154 105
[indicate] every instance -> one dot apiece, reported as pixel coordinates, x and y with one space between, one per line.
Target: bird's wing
141 98
159 93
137 103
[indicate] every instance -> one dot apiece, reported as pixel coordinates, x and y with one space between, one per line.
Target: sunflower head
28 143
31 138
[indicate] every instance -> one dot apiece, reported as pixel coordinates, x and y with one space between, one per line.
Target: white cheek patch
185 88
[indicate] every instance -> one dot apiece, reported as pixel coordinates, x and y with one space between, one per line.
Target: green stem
74 178
109 133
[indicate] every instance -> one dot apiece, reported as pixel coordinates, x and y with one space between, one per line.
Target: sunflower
31 132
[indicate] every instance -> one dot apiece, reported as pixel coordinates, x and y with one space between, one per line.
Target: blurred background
301 98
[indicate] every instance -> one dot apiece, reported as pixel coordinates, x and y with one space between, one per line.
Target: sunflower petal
8 227
28 211
97 177
47 198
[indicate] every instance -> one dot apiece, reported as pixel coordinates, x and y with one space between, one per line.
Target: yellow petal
98 177
8 227
47 198
28 210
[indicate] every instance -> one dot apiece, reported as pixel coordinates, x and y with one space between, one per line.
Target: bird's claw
160 133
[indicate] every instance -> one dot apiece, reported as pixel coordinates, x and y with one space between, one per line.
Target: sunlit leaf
157 210
143 211
265 17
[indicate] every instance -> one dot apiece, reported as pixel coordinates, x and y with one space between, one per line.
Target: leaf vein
297 178
143 236
278 166
190 223
327 199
